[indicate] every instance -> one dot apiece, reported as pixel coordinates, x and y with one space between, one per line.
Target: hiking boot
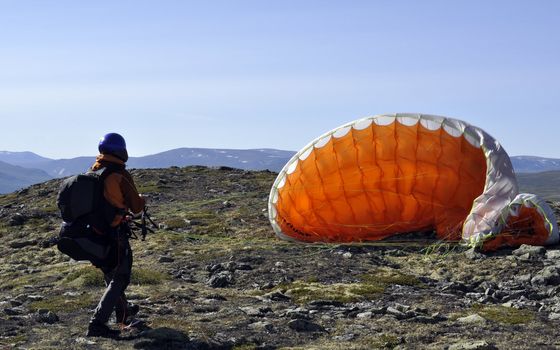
96 329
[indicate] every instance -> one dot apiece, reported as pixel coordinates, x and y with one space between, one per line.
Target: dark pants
117 278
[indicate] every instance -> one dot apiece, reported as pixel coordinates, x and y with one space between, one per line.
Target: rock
261 326
527 252
279 264
472 319
228 204
165 259
424 319
221 279
13 311
244 267
378 310
402 307
35 297
472 345
395 312
300 325
347 255
17 219
204 309
21 244
550 275
85 341
523 278
15 302
473 254
49 242
324 304
367 314
456 287
255 311
345 337
47 316
297 313
553 255
276 296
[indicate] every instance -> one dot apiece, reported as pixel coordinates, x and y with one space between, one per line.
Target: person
121 194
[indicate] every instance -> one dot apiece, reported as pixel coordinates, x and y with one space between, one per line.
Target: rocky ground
214 277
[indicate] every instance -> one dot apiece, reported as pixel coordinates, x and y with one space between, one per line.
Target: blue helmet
114 144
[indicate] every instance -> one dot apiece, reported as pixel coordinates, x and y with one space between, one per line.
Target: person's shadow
168 338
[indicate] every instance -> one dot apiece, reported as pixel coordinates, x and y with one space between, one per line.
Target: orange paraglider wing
391 174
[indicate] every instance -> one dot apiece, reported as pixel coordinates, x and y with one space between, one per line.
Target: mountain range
13 177
20 169
28 168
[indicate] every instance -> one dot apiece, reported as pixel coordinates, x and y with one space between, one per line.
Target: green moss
216 229
18 282
87 276
203 215
20 338
148 187
143 276
303 292
175 223
63 303
384 341
369 287
50 208
8 199
505 315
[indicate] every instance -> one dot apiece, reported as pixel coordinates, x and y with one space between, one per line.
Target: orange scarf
102 160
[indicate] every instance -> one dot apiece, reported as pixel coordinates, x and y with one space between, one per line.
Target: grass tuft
142 276
63 303
505 315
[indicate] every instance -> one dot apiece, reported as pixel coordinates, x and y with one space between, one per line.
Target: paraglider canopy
390 174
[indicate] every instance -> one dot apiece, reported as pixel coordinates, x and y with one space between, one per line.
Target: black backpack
86 233
79 195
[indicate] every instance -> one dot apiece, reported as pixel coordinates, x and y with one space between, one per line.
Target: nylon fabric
390 174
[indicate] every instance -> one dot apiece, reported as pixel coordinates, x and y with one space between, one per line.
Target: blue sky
274 74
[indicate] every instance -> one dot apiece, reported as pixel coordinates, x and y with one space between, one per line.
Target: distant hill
531 164
251 159
24 159
545 184
13 177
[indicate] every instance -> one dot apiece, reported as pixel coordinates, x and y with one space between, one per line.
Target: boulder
475 319
550 275
221 279
300 325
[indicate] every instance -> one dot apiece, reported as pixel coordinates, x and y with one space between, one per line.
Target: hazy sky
274 74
